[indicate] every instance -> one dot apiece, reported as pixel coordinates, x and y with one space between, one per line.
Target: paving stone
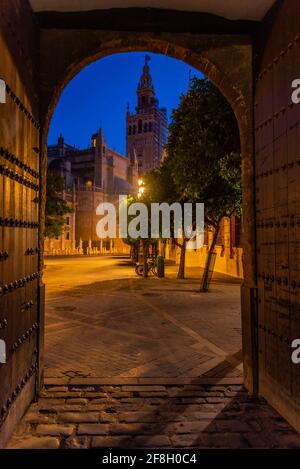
122 394
78 442
174 391
35 418
110 441
234 387
110 388
289 441
62 395
128 429
281 424
184 441
78 401
216 400
105 417
139 422
157 401
200 393
49 402
70 408
142 417
197 387
152 441
111 409
202 408
82 388
103 400
209 440
193 400
95 407
51 389
239 394
36 443
55 429
203 415
232 425
259 440
191 427
142 388
223 440
170 416
78 417
48 410
217 388
93 429
254 425
95 395
153 394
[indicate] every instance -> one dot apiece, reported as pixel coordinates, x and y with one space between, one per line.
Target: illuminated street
104 321
146 363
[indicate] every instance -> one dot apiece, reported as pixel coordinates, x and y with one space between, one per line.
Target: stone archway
225 60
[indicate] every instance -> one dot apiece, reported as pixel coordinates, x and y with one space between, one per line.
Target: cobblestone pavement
128 327
144 363
156 416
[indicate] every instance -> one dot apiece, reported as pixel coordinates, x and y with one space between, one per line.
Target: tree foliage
56 206
204 148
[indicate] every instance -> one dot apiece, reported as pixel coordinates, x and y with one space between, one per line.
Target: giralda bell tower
147 127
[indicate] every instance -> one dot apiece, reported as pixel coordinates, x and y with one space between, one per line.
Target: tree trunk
181 270
132 253
145 257
136 251
205 277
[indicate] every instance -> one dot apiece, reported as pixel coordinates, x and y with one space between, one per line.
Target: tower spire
146 128
145 82
145 89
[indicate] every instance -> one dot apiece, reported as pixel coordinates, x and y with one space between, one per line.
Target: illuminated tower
147 128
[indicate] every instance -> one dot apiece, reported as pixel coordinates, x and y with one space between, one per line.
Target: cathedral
99 174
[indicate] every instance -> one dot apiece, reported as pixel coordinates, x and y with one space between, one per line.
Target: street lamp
141 188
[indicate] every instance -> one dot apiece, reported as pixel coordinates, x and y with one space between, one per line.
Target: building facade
228 250
99 174
93 175
147 127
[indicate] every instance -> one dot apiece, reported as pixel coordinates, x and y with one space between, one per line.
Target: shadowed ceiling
231 9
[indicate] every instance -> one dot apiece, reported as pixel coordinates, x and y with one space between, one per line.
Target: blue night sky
98 96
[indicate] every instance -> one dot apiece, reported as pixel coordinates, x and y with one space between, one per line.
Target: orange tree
204 148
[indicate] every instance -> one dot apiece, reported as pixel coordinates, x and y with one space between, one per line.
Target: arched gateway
252 63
